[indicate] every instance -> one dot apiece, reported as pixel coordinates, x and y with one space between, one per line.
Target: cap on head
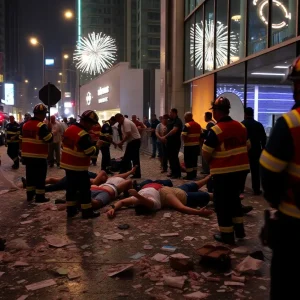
221 103
89 116
293 72
40 109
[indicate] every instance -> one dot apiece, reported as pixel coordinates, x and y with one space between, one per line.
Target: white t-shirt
129 126
115 180
161 129
152 194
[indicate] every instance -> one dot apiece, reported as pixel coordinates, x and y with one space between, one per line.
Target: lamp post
34 42
68 14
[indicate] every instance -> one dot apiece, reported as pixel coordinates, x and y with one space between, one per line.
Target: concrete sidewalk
79 270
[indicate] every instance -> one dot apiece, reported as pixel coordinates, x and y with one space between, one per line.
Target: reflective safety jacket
290 202
231 153
12 131
95 132
35 136
192 130
75 153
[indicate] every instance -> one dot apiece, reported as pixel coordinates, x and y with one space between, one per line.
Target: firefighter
95 136
191 139
12 130
106 136
35 136
280 162
77 150
226 151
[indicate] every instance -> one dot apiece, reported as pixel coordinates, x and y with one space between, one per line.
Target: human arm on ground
274 160
121 203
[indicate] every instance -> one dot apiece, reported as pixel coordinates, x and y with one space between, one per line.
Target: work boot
239 231
246 209
90 214
225 238
72 211
41 200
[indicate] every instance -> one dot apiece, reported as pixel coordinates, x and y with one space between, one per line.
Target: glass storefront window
189 50
222 34
257 26
209 36
237 27
283 23
267 94
198 29
189 6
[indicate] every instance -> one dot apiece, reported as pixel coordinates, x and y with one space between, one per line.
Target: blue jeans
195 197
159 148
154 140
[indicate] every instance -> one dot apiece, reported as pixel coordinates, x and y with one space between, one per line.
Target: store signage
68 104
103 91
67 95
88 98
9 94
49 62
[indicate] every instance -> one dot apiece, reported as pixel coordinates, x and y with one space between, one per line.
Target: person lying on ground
153 197
54 184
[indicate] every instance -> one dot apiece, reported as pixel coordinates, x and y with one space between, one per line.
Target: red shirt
153 185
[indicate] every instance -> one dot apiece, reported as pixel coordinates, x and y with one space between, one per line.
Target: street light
34 41
68 14
26 81
58 81
35 88
60 74
66 56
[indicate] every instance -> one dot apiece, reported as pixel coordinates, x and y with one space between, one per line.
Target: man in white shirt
132 137
55 145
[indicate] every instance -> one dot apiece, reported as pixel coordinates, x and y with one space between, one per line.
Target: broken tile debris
40 285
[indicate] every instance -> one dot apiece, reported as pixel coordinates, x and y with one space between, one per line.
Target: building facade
237 48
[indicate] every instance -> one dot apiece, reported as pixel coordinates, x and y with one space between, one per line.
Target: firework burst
96 53
196 47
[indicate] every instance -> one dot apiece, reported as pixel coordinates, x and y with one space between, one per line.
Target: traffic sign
49 94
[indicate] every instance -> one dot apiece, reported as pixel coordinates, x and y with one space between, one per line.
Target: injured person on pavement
154 196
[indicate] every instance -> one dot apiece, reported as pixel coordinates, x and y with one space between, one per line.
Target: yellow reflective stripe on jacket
25 154
292 118
13 141
40 124
90 150
216 129
33 141
232 169
192 144
74 153
228 153
13 132
293 169
86 206
289 210
193 134
47 137
82 133
184 133
208 149
105 134
272 163
73 168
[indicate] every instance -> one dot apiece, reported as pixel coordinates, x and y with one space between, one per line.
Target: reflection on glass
189 49
197 30
189 6
237 26
221 34
209 36
283 20
257 26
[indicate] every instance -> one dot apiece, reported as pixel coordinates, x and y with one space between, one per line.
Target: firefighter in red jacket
76 153
191 139
35 136
95 133
280 162
226 151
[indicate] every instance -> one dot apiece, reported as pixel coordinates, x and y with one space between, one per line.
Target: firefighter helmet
90 116
40 108
221 103
293 72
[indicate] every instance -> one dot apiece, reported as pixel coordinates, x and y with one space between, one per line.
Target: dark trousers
95 157
132 157
191 161
242 181
105 162
286 259
164 156
173 151
78 181
205 166
154 140
13 153
228 204
36 172
255 172
54 148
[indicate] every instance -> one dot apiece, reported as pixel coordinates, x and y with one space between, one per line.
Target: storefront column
256 91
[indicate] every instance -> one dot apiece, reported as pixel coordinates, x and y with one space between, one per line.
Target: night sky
44 19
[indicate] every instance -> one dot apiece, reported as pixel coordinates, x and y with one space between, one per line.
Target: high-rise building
2 40
134 24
